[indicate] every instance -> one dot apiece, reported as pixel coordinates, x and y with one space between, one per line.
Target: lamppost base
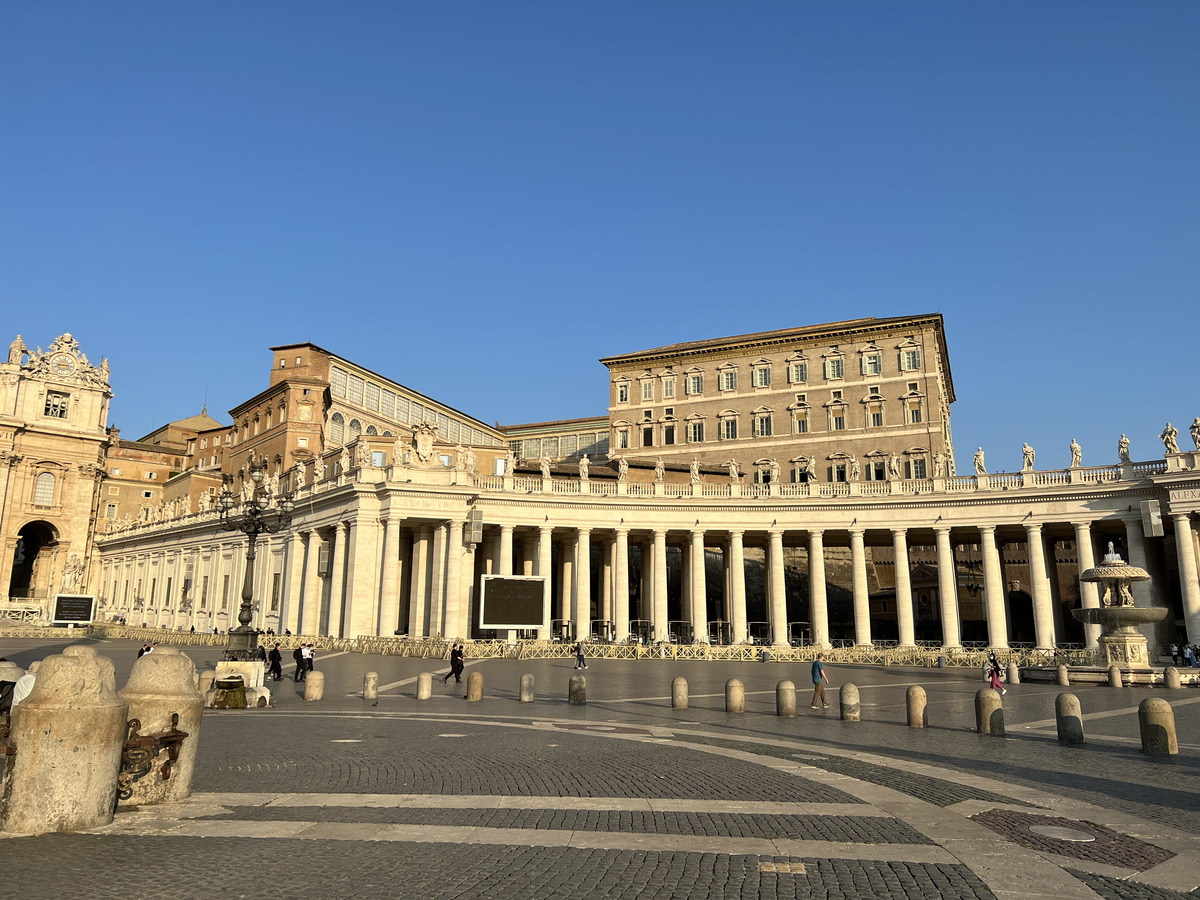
242 645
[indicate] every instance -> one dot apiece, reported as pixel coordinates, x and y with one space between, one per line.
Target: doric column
737 586
993 589
545 569
295 581
420 574
583 584
661 630
699 592
818 600
389 601
1089 591
504 565
621 588
362 595
437 579
862 606
1135 543
904 605
455 606
1185 550
566 586
1043 603
310 616
337 589
948 590
607 575
778 590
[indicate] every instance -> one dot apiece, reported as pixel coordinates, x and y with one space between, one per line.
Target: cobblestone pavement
625 797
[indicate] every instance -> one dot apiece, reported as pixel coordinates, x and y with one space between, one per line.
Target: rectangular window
910 360
151 476
372 396
56 404
550 447
568 445
876 418
387 404
648 437
872 364
148 495
916 468
914 414
443 427
623 439
762 377
455 430
835 368
801 423
838 472
532 449
727 380
695 384
729 429
116 473
797 372
225 593
695 432
275 584
668 388
622 393
204 592
354 389
110 511
647 390
668 435
762 426
402 409
337 382
378 458
839 421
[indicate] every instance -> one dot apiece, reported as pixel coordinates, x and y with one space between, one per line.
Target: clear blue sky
481 199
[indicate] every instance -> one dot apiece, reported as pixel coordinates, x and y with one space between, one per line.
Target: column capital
898 531
775 533
1033 527
736 532
942 529
585 531
987 529
621 530
1088 523
508 528
857 530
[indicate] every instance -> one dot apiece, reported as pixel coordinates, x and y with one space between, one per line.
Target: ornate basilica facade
856 531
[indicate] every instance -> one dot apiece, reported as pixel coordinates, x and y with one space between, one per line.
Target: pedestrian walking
301 665
994 674
819 680
1174 654
1189 655
456 664
275 671
580 662
310 658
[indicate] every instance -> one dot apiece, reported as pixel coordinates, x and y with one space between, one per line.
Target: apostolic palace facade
791 486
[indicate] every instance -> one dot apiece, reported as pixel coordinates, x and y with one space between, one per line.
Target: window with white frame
56 404
668 433
910 358
762 423
622 438
915 468
695 383
337 381
43 489
647 389
647 435
378 458
837 471
835 367
872 363
914 412
354 389
695 432
800 421
622 392
762 375
668 387
727 380
337 429
151 476
728 429
353 430
797 371
875 415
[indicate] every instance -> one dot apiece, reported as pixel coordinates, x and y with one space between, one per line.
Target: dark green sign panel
512 602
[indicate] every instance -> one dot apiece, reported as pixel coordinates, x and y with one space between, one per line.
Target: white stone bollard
314 686
679 693
424 685
162 684
68 734
371 686
1014 673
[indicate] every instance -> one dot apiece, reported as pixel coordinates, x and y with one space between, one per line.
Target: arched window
355 429
43 490
372 430
337 429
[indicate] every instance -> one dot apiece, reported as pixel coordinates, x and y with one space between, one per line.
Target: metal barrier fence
439 648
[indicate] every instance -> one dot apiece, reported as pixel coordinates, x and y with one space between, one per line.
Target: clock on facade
62 364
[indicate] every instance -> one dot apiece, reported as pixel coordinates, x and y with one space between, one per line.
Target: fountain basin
1112 618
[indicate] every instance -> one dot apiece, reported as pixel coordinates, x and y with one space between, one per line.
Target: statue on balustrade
318 468
299 479
1195 430
1168 437
658 469
695 474
1076 454
205 502
894 466
734 474
472 462
1123 449
1026 458
855 469
980 468
362 453
939 464
545 464
344 460
776 472
16 350
583 467
622 470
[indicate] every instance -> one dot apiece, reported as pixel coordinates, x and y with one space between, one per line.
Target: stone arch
32 560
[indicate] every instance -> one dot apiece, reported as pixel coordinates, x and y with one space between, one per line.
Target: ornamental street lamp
255 515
